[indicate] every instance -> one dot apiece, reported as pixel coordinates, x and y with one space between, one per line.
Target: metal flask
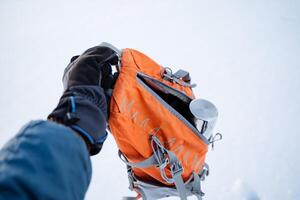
206 114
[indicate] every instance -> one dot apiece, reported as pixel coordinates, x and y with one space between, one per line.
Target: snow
244 56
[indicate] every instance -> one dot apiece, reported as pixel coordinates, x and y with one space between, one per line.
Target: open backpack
162 132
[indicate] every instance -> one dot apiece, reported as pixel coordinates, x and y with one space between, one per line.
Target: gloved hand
83 105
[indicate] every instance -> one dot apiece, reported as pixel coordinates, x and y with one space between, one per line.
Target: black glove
83 105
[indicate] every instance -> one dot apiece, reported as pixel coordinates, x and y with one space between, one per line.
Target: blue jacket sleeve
44 161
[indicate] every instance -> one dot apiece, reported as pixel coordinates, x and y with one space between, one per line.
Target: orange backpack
163 150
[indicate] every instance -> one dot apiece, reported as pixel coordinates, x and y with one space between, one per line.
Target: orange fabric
135 115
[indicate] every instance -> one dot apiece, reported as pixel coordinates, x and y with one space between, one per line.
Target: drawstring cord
215 138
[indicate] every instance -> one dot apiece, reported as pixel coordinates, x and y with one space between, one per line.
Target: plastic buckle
176 168
130 178
71 118
163 174
204 172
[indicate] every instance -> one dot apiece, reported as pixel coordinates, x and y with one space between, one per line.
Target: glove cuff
84 109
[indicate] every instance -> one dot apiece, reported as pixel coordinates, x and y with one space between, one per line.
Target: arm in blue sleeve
44 161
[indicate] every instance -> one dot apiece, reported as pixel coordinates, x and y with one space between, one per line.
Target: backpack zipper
168 107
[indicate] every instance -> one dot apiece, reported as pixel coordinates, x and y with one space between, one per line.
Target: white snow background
244 56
